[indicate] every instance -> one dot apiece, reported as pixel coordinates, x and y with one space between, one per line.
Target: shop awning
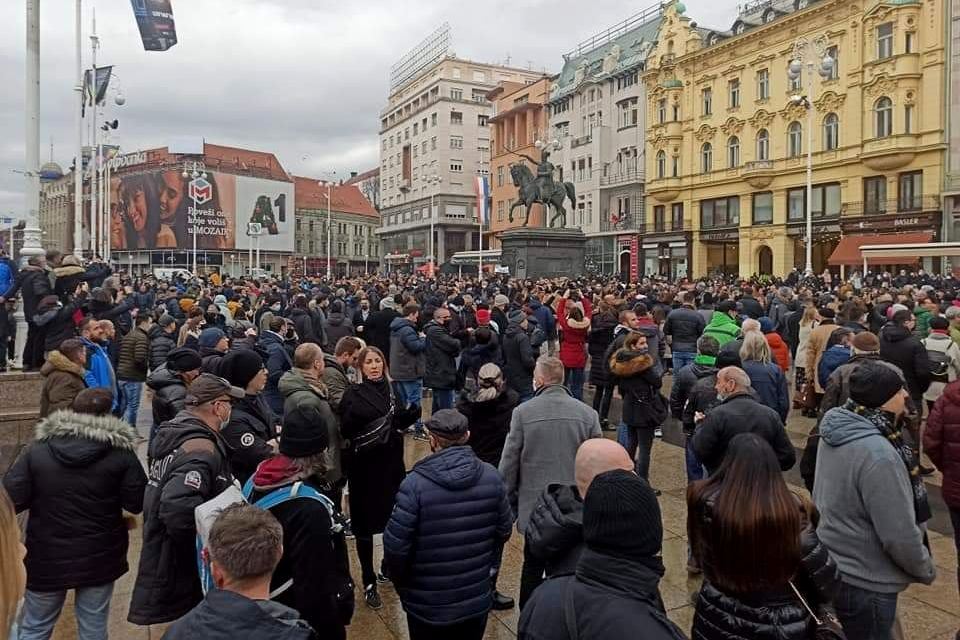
848 249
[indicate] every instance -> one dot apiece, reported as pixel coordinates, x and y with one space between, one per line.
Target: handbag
828 627
374 433
808 396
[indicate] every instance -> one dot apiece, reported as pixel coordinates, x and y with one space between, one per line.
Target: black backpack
939 365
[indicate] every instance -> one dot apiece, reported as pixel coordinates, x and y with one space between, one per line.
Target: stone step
20 391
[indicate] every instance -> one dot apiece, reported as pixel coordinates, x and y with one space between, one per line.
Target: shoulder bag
828 627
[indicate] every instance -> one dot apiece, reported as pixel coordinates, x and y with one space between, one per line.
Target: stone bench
19 411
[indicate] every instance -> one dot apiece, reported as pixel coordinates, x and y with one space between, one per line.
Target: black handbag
828 627
374 433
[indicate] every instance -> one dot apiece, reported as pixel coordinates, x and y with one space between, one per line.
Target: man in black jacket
684 326
34 282
441 359
187 466
376 330
738 412
900 347
748 304
704 365
169 384
251 434
245 545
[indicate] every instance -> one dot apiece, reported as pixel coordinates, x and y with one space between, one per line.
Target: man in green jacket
132 365
723 324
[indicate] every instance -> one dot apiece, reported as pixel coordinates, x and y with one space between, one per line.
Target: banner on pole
155 21
482 189
94 92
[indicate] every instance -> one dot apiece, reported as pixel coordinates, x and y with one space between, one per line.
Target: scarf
886 424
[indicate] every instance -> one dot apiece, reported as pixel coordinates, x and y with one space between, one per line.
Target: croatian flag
482 188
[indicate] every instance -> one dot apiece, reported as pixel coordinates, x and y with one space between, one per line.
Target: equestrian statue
541 188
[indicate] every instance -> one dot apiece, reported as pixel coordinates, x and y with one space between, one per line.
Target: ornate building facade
728 134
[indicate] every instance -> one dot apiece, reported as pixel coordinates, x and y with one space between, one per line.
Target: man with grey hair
780 309
739 412
541 449
748 326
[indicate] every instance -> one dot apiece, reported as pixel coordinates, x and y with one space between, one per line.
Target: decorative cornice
732 126
761 119
762 59
830 101
705 78
793 111
734 68
879 86
705 133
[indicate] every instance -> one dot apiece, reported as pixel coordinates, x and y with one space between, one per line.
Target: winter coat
444 536
407 357
76 479
898 346
57 323
639 379
770 385
278 362
187 465
681 391
923 316
545 433
169 394
816 345
210 360
801 350
299 393
70 276
685 326
7 274
33 283
740 413
440 357
376 330
519 359
252 424
119 313
750 307
939 341
99 370
779 350
335 327
134 356
545 318
62 381
656 341
303 324
573 336
555 532
722 327
161 344
832 358
702 399
613 598
941 441
226 615
489 422
598 341
473 358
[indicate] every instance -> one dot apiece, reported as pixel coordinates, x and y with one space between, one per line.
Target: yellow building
727 136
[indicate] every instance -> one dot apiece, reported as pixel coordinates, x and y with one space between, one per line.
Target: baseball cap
208 387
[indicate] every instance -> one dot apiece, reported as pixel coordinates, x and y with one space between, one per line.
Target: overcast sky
301 78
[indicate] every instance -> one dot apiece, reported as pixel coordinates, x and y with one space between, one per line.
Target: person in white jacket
938 341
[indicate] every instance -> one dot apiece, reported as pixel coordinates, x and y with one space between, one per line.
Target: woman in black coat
639 377
488 408
599 340
374 473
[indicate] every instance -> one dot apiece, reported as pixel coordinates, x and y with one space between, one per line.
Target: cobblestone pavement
926 613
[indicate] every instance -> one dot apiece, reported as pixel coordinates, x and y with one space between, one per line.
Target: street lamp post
432 181
194 170
32 245
813 55
328 183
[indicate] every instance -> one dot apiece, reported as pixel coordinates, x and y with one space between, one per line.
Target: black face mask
211 318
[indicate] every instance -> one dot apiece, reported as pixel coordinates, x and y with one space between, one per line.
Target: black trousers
471 629
601 400
33 349
531 574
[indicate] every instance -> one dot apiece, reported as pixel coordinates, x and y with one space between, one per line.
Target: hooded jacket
161 344
376 330
555 533
639 379
770 385
336 326
99 371
545 318
573 339
225 615
864 496
684 381
407 358
303 323
440 357
602 326
57 322
941 441
779 349
278 362
519 359
473 358
898 346
76 479
489 422
299 392
831 359
187 465
444 536
722 327
252 425
169 394
63 380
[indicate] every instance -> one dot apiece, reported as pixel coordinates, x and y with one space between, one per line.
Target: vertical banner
155 21
634 258
482 190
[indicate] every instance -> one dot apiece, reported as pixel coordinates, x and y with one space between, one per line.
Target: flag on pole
95 94
158 31
482 189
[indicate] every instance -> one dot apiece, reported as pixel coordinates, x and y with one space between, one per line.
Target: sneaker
382 579
606 426
371 597
502 602
658 433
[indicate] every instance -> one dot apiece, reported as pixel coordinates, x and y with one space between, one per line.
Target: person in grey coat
872 502
541 449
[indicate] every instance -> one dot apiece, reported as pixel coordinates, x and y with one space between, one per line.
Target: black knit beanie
621 516
241 366
304 433
873 383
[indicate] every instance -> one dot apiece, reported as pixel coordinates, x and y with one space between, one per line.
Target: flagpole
94 156
78 162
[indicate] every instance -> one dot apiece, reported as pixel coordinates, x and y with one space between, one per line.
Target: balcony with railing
758 173
581 140
622 177
627 222
903 205
666 226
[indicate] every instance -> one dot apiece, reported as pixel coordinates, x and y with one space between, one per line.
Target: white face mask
275 307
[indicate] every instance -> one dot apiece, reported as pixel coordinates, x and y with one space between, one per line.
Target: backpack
939 365
206 513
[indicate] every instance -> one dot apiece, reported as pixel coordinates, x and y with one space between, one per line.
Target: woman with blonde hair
766 378
13 578
808 322
488 408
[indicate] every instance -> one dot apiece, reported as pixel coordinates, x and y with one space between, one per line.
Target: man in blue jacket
445 535
547 323
99 371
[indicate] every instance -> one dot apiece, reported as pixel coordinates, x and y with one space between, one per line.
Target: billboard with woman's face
161 210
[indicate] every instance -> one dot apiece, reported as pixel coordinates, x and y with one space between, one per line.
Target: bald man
739 411
553 535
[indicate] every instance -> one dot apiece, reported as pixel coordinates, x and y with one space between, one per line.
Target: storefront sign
128 160
818 229
720 236
889 223
634 258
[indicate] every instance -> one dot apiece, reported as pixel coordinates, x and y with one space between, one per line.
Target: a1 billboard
162 210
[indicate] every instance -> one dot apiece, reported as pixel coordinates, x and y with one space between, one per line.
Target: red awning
848 249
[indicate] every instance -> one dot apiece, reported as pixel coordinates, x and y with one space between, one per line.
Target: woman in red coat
941 441
574 324
778 348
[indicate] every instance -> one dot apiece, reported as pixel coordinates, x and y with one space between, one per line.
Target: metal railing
915 204
580 141
624 177
666 226
758 165
616 31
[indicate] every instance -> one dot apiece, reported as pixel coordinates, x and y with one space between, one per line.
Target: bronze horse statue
529 192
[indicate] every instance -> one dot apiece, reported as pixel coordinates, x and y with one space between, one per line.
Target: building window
763 84
763 208
763 145
875 194
826 202
733 152
456 166
720 212
794 139
628 113
500 210
733 90
456 117
659 212
908 118
834 53
433 143
707 101
675 166
662 110
885 40
456 142
433 119
661 164
416 128
500 176
456 94
706 158
676 112
831 132
908 42
423 147
676 216
909 191
883 117
406 133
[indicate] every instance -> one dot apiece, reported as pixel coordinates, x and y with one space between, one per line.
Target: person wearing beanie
314 547
614 593
251 434
169 384
498 312
446 534
754 539
944 358
872 502
376 330
213 344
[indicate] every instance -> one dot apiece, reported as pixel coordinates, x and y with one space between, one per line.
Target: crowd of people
279 410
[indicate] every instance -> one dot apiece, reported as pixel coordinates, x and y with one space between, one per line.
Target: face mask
275 307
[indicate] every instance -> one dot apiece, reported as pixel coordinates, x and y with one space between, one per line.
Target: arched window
763 145
831 132
794 139
661 164
883 112
733 152
706 158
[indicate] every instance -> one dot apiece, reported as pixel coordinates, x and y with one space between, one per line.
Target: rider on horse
544 174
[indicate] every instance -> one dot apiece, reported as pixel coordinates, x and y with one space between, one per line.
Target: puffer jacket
898 346
134 356
941 441
161 344
440 357
779 349
770 385
444 536
252 425
722 327
555 532
303 324
545 318
598 341
169 394
407 358
683 384
574 335
335 327
76 479
278 362
489 422
473 358
830 361
57 322
63 380
684 326
300 392
639 378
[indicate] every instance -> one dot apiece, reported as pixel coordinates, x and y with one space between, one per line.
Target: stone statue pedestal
543 253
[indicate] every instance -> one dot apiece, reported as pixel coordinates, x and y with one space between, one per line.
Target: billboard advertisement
155 21
163 210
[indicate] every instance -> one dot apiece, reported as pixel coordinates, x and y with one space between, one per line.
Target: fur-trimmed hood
625 363
581 324
69 270
103 430
56 361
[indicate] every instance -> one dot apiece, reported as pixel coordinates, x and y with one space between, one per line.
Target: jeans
866 615
682 359
573 380
601 400
469 629
639 445
42 608
531 574
409 393
694 467
443 399
131 393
